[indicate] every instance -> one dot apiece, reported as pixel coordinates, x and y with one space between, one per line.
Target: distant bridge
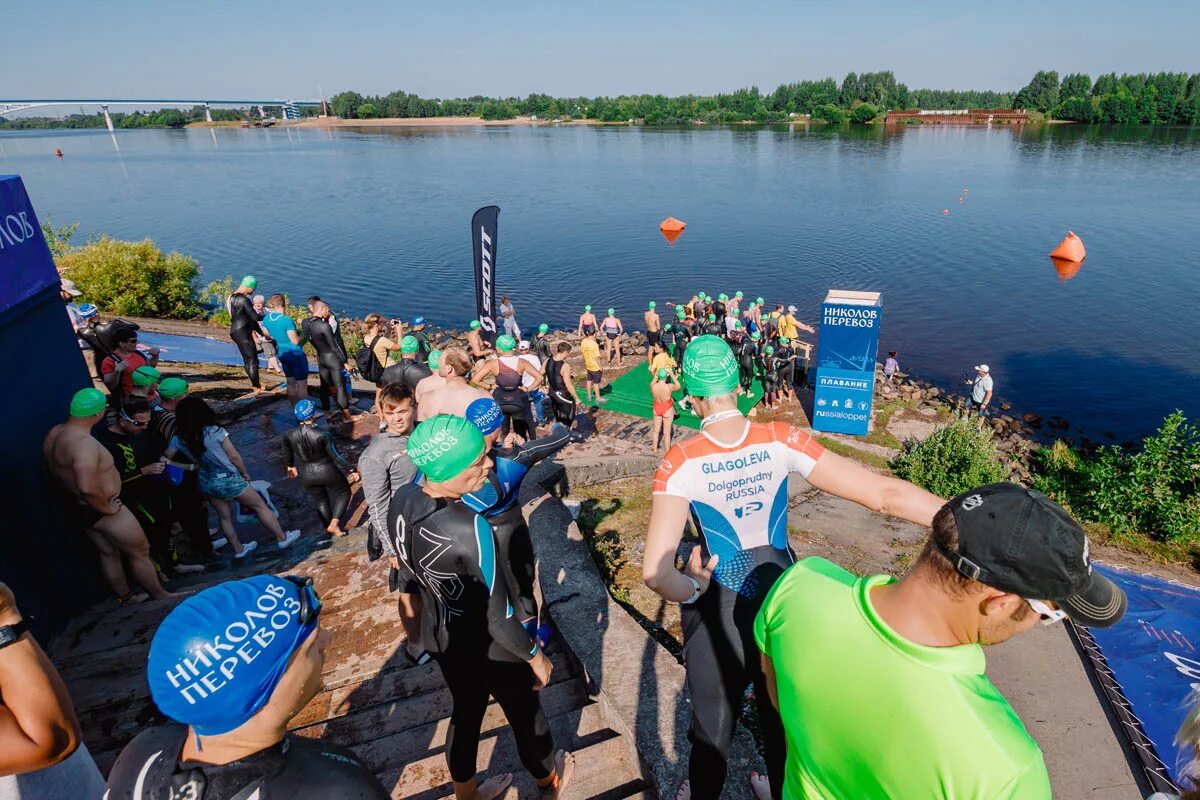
289 106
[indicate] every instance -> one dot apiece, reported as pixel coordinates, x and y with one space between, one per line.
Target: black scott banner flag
483 248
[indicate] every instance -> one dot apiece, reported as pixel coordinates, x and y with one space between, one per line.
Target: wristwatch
11 633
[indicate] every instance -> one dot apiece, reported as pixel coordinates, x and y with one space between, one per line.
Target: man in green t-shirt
880 683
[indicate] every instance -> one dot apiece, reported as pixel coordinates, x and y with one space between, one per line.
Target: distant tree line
163 118
1165 98
1162 98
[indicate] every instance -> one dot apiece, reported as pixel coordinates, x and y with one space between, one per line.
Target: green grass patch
849 451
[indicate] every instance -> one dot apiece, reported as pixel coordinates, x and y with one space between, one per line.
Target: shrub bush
863 113
133 278
1152 491
830 113
956 457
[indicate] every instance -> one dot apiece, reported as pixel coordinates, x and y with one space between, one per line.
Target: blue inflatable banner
1148 664
26 267
849 342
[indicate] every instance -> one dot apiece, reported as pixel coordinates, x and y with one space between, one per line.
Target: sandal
418 660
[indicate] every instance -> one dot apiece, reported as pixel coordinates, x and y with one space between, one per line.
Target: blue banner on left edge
26 266
484 236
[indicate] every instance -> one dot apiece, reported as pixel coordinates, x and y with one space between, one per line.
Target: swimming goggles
310 602
1049 615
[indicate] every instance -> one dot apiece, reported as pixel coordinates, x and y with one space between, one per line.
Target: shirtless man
456 394
653 328
432 382
479 348
90 487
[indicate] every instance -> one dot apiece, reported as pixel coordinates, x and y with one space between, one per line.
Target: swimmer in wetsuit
498 498
331 357
509 371
313 457
747 355
469 622
232 742
769 371
244 326
561 384
733 480
587 322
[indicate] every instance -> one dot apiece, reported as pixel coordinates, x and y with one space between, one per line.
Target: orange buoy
1065 269
671 224
1070 249
671 236
945 212
58 152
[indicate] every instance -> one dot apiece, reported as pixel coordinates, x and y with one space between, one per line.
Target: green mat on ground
630 394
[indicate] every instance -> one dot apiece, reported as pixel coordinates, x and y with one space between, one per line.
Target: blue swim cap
305 409
418 321
485 414
87 311
218 656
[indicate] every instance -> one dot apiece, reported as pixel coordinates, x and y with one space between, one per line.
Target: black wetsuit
313 453
560 395
331 360
785 356
187 501
719 309
512 399
715 329
297 768
145 495
684 333
423 346
541 349
243 324
668 339
497 500
469 625
747 354
406 371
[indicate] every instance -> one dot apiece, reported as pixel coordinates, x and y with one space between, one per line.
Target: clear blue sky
254 49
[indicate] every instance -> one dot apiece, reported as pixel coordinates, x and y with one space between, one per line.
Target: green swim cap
146 376
543 328
679 312
756 336
737 325
663 373
709 367
171 388
506 343
409 344
722 297
587 309
667 327
474 325
250 282
444 446
760 301
435 360
87 402
769 350
652 304
712 317
612 312
784 340
737 295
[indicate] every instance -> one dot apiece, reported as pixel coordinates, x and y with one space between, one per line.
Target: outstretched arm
543 447
892 496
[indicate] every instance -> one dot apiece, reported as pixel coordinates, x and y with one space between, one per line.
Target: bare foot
493 787
133 598
685 791
564 769
335 530
761 786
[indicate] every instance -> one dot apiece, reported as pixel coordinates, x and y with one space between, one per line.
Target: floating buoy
671 224
58 152
945 212
960 199
671 236
1065 269
966 190
1070 249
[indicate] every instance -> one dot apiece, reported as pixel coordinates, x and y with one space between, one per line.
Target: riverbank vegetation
1162 98
163 118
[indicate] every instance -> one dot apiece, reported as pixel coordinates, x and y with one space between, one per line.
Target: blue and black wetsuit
469 626
313 453
498 501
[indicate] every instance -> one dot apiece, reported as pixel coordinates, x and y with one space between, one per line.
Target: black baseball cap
1020 541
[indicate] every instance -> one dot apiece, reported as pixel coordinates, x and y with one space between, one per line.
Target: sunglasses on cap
310 602
133 421
1049 615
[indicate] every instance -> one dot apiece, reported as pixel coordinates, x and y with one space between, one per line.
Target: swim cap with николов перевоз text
444 446
709 367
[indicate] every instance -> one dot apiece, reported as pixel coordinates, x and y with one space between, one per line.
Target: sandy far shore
424 122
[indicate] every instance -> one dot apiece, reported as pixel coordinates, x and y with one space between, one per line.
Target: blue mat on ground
194 349
1147 664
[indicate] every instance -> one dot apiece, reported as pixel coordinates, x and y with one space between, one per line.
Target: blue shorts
294 364
222 485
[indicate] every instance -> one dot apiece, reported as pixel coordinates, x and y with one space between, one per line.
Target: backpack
368 365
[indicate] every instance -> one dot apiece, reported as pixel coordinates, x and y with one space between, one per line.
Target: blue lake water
378 220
